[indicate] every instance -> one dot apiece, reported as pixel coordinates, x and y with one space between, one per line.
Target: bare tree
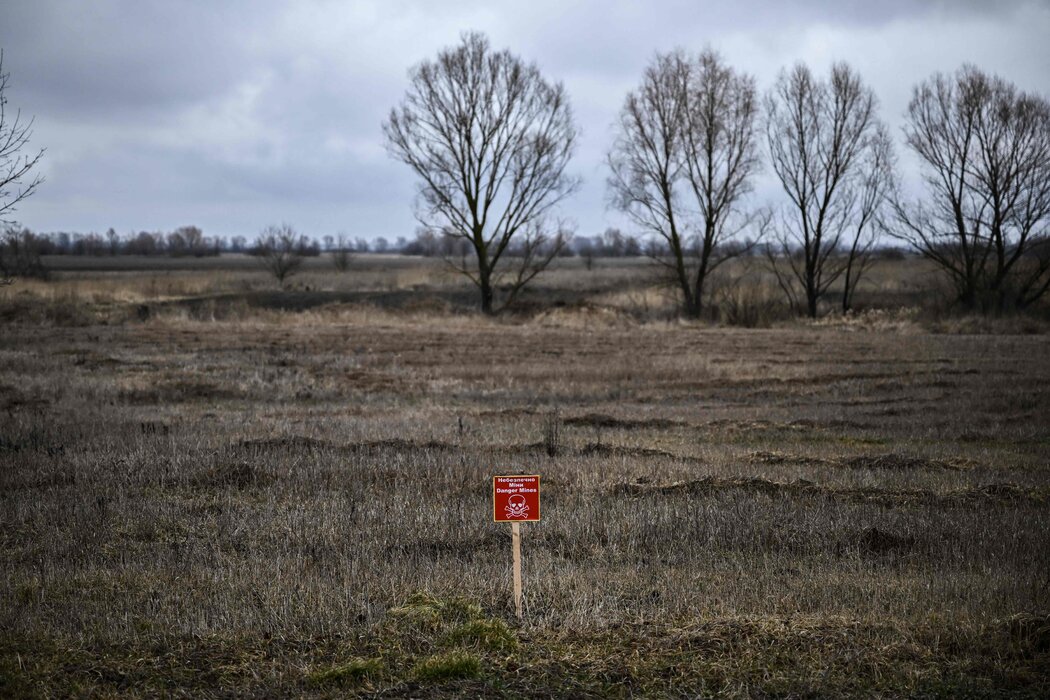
825 141
985 151
341 255
16 178
489 139
683 161
187 240
281 250
20 255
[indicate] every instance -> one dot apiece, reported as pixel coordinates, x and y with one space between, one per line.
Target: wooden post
515 538
516 499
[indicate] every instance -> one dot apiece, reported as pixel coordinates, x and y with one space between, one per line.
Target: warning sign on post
516 499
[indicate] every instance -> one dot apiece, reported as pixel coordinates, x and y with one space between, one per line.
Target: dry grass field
212 488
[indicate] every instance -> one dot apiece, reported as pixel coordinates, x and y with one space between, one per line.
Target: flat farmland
296 501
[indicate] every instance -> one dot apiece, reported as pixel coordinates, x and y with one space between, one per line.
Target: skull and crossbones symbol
516 506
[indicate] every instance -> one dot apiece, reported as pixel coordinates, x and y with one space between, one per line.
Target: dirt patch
708 485
888 462
509 412
899 462
990 494
601 420
584 315
763 457
602 450
1000 492
746 426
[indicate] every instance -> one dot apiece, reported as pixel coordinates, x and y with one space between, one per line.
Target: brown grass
254 504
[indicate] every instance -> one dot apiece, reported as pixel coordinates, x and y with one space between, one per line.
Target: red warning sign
515 498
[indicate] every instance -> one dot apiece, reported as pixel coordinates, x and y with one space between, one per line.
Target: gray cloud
237 114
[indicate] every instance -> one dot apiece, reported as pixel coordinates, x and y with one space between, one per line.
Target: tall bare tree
985 151
831 155
683 161
17 180
489 139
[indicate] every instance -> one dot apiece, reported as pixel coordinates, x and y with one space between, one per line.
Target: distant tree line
191 241
185 241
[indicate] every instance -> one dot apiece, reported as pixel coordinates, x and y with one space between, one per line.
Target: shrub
448 666
354 671
490 635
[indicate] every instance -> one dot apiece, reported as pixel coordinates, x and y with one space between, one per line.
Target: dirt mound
760 426
584 315
602 420
513 412
1001 492
991 494
602 450
763 457
884 462
708 485
898 462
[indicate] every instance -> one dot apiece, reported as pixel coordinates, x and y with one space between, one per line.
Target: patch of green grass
451 665
426 610
349 673
746 656
861 440
484 634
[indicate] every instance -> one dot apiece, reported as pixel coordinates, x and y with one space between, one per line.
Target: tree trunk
692 307
692 310
811 298
845 290
485 282
701 275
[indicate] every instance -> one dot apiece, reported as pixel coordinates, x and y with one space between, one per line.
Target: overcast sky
234 115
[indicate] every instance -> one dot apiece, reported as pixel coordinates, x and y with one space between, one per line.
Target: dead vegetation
297 503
